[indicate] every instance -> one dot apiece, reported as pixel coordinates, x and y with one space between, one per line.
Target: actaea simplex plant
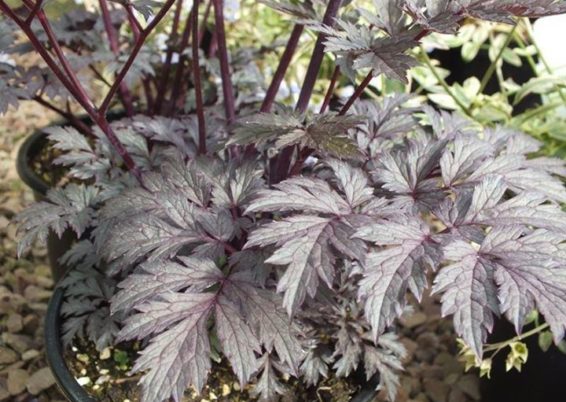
287 239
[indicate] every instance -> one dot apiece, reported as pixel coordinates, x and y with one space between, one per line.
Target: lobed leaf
68 208
180 355
389 271
164 276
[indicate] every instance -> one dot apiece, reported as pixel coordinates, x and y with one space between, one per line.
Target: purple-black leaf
237 339
268 386
469 292
147 236
300 194
304 241
156 278
389 271
326 133
513 271
364 49
315 364
463 158
385 360
349 347
405 173
274 328
352 182
529 273
68 208
179 356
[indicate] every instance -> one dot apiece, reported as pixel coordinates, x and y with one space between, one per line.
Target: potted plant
76 30
283 242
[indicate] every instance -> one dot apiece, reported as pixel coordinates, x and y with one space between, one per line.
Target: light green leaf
540 85
545 340
511 57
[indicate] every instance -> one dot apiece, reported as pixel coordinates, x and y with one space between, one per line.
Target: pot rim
32 145
35 142
67 383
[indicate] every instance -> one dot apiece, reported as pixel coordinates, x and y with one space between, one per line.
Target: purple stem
124 93
73 120
34 11
165 73
77 93
197 82
179 73
330 90
227 87
278 77
134 23
137 47
357 93
205 19
61 57
146 83
281 167
316 59
282 68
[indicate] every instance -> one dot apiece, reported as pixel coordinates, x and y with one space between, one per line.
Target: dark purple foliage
198 255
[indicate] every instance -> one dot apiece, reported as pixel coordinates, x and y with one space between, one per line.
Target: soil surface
104 375
433 372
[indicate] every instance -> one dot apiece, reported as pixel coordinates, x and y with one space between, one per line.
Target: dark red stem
77 93
422 34
316 59
34 11
166 71
330 90
38 46
137 47
227 87
70 117
278 77
179 73
197 82
125 95
357 93
99 75
281 167
102 122
146 83
303 155
80 91
67 76
134 23
137 32
204 19
213 46
282 68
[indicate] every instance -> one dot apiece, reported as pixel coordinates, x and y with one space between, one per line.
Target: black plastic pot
54 350
542 377
67 383
56 246
365 395
32 146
